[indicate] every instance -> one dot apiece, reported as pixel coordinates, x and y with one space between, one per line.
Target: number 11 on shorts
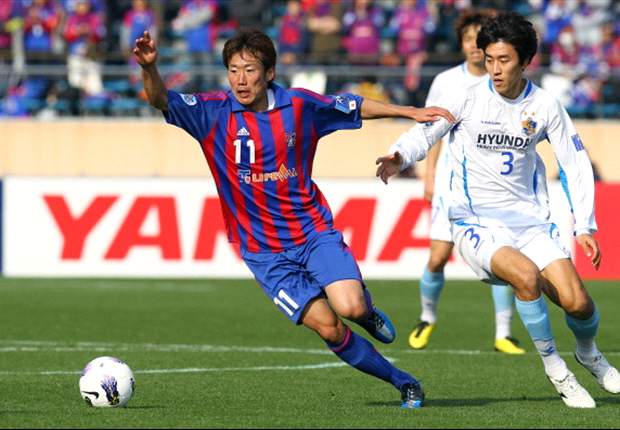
285 303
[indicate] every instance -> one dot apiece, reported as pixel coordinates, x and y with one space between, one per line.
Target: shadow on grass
145 407
483 401
442 403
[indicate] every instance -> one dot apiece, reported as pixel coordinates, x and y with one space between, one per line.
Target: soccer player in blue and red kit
259 141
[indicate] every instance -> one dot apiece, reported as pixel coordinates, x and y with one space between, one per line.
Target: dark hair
253 41
471 17
510 28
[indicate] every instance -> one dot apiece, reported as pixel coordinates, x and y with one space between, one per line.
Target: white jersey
493 156
449 82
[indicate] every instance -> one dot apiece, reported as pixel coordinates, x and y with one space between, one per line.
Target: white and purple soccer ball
107 382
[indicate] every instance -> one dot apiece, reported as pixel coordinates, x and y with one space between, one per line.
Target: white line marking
7 346
38 346
191 369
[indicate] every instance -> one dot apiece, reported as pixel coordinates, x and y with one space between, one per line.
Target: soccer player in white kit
499 225
437 188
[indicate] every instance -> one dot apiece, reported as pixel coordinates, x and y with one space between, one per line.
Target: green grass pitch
213 353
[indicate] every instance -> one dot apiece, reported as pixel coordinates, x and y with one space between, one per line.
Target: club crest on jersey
290 139
529 125
189 99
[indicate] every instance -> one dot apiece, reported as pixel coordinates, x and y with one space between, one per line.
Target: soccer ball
106 382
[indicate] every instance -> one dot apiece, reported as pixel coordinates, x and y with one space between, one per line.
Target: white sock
429 310
502 324
555 367
586 349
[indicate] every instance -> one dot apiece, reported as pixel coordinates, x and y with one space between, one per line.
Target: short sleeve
189 112
337 112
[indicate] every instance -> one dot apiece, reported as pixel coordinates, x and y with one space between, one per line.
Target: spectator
588 20
137 20
610 46
411 22
247 14
195 23
7 16
557 16
84 33
11 39
362 28
292 40
41 22
324 24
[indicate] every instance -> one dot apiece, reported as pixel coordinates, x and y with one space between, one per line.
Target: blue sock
359 353
585 331
431 285
503 298
535 317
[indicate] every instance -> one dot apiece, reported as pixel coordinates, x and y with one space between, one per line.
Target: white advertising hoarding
163 227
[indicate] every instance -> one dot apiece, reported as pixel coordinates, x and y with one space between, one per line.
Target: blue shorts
294 277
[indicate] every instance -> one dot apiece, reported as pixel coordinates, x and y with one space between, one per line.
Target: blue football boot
379 326
412 395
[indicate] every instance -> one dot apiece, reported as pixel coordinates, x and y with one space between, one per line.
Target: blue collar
526 92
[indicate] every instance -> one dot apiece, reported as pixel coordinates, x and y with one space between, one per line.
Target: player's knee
579 306
527 283
332 333
354 310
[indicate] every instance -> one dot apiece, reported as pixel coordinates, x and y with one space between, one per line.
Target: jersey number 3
250 145
508 166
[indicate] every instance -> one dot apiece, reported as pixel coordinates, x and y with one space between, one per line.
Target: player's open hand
591 248
145 50
389 165
432 114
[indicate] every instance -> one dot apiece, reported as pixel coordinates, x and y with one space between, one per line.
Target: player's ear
270 74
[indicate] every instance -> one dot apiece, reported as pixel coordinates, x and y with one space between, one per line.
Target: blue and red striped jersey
262 161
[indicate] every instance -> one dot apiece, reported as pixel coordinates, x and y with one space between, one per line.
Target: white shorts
441 228
478 243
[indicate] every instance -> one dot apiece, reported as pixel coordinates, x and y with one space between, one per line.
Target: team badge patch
189 99
529 126
345 103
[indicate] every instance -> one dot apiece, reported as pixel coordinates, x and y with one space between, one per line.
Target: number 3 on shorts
473 236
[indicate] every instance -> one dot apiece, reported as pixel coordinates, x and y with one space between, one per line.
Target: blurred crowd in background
73 57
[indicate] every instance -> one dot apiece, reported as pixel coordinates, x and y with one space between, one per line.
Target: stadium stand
72 57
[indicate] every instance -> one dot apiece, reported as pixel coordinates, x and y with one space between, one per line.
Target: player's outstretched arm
145 52
373 109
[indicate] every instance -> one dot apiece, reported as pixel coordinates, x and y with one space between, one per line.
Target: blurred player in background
499 225
437 189
259 140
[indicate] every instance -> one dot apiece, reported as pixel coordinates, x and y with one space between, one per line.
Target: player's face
473 55
249 80
502 64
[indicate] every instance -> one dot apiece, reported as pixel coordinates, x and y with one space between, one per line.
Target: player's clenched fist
145 50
